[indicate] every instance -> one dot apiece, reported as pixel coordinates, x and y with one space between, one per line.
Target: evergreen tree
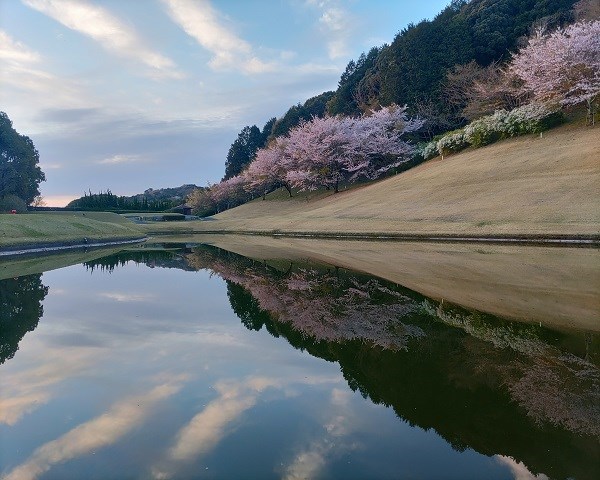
20 174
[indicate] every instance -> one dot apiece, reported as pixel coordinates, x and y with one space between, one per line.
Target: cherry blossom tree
230 193
269 169
562 67
327 151
319 149
377 141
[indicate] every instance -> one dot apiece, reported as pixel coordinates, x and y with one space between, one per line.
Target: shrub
486 130
452 142
12 202
427 150
532 118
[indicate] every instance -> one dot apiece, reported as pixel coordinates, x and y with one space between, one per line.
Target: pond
190 361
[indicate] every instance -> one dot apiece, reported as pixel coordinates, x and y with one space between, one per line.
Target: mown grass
523 186
64 227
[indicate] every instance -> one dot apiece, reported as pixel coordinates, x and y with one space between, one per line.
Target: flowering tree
229 193
562 67
269 169
377 144
329 150
319 151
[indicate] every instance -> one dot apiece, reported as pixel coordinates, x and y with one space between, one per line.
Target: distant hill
173 194
158 200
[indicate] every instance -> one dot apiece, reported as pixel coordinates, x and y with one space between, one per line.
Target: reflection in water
526 396
99 432
20 310
492 385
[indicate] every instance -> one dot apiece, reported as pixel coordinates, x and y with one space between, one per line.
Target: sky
128 95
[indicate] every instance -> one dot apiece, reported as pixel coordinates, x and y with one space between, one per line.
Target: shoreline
578 241
581 240
53 247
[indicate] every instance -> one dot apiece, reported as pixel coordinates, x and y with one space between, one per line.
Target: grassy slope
40 228
528 185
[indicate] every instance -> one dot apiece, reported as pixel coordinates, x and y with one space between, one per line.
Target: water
199 363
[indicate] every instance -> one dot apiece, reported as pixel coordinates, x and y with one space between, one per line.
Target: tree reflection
152 258
499 387
20 310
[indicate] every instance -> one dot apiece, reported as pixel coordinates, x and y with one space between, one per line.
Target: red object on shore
13 211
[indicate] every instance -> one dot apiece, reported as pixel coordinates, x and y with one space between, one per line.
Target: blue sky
137 94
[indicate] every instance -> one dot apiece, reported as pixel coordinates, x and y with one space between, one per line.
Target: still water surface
199 363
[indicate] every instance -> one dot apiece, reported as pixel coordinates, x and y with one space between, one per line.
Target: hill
524 186
158 200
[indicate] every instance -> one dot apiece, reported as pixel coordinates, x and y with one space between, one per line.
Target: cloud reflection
206 429
518 469
24 391
309 461
104 430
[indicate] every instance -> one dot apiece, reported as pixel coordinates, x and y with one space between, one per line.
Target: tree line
108 201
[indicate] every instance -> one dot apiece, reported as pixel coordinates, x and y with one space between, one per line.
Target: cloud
24 392
336 25
117 159
200 21
100 432
25 83
207 428
16 52
100 25
124 297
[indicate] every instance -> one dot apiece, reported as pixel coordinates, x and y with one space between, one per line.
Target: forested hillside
413 70
479 72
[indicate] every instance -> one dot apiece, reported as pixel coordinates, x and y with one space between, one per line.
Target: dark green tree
313 107
242 151
347 99
20 174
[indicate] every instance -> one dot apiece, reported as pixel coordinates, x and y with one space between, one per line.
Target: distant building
185 209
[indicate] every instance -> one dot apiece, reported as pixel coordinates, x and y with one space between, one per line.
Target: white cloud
336 26
117 159
26 391
310 460
16 52
127 297
24 83
100 25
200 21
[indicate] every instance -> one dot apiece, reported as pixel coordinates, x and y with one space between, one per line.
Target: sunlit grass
57 227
